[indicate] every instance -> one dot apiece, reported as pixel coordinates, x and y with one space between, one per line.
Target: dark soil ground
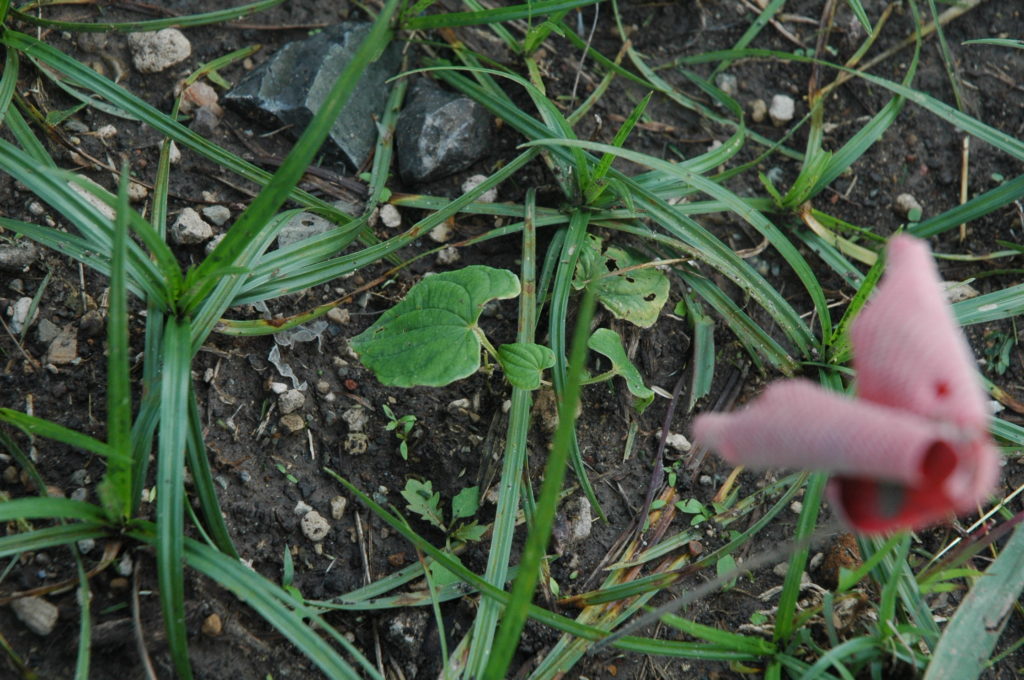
265 472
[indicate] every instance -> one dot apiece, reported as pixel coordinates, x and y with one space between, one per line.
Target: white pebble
38 615
156 51
727 83
290 401
302 508
489 196
190 228
314 526
19 314
758 110
355 418
137 192
782 109
442 233
390 216
217 214
339 315
174 154
106 132
212 244
678 442
449 255
796 507
906 203
338 505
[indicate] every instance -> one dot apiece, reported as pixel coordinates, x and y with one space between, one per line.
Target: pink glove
913 447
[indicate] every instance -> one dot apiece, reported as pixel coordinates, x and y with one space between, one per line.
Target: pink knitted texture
913 447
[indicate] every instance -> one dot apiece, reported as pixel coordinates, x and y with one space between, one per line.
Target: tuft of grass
662 211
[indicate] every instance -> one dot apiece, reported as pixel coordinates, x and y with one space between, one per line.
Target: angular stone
38 615
63 348
290 87
190 228
439 133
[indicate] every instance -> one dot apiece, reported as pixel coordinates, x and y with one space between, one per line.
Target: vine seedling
402 427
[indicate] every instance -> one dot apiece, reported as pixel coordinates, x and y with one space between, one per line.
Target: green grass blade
52 537
170 485
513 463
986 133
755 28
202 478
1001 304
703 354
976 208
785 619
22 133
50 430
84 597
530 10
507 640
47 507
52 186
558 312
116 488
230 14
722 638
252 220
8 81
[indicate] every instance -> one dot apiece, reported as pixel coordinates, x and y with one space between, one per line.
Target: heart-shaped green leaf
430 337
636 295
523 363
607 342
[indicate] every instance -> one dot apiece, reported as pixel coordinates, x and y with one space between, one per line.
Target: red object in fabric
913 447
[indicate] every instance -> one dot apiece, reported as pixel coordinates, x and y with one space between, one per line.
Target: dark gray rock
439 133
290 87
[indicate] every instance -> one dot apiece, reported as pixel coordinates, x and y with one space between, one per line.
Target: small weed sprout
401 427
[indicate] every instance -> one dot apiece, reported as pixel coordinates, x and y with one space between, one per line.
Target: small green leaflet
424 501
466 502
431 337
524 362
636 296
607 342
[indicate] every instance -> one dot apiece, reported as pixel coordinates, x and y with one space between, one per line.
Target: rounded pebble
212 625
782 109
314 526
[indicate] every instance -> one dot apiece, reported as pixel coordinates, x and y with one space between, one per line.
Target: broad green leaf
608 343
424 501
466 502
431 337
636 295
524 362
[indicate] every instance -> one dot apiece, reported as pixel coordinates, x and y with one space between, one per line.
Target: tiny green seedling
425 502
401 426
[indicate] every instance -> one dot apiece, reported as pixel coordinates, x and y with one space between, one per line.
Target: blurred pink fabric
913 447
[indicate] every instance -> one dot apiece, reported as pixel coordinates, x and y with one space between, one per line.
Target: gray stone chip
290 87
439 133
